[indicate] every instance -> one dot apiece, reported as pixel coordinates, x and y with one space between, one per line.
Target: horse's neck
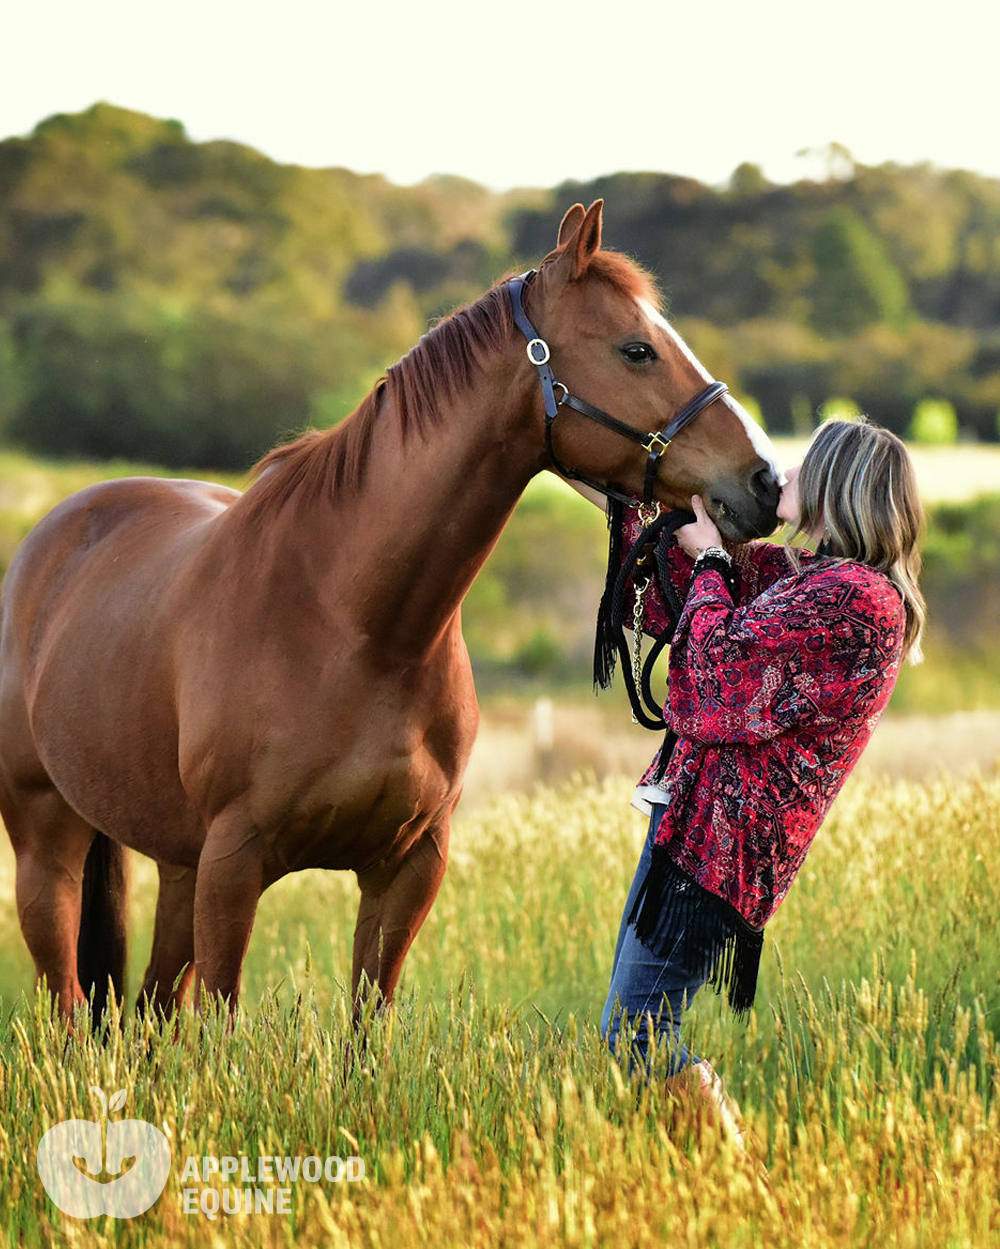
398 554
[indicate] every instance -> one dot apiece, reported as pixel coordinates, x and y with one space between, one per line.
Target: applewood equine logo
104 1167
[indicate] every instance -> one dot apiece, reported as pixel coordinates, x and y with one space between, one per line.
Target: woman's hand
700 535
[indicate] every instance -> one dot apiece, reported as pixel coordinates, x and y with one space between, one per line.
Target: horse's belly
114 760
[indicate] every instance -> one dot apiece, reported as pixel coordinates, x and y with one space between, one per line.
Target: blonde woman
781 663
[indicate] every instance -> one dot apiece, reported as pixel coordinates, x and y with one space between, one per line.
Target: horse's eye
638 353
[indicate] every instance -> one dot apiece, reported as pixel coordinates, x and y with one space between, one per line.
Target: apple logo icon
104 1167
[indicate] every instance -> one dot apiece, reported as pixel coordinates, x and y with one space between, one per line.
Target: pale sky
519 94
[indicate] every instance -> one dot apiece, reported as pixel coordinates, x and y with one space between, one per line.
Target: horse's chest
372 800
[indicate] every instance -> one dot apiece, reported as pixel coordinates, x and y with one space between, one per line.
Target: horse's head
611 348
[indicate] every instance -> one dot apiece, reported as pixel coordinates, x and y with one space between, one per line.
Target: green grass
485 1106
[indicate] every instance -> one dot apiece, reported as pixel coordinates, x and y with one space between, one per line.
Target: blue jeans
646 989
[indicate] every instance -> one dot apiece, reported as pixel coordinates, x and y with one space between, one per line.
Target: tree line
191 304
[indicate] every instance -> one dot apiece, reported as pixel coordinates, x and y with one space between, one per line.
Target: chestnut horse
244 685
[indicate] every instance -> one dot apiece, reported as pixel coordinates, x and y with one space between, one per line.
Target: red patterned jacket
773 696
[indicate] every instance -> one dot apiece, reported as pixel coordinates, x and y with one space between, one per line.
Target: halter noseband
654 443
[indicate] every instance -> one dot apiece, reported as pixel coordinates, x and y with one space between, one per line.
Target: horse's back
114 539
91 514
102 524
84 659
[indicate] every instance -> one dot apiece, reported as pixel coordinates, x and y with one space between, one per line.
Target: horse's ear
584 241
570 223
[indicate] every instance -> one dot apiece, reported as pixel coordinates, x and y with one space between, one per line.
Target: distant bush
11 378
128 380
856 282
539 654
934 422
839 408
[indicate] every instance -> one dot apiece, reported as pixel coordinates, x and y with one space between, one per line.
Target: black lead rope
649 551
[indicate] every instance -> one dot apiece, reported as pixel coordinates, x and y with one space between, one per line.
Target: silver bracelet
713 552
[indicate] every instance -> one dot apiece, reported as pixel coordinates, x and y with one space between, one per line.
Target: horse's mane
444 362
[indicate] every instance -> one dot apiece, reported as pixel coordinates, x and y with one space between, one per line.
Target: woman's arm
759 564
809 648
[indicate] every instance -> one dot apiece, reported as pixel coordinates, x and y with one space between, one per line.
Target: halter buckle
656 443
544 357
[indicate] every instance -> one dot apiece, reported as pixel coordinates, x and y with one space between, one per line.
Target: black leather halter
653 443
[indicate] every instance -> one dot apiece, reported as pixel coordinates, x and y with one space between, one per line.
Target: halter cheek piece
654 444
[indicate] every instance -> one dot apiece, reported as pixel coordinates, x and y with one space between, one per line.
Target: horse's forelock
626 276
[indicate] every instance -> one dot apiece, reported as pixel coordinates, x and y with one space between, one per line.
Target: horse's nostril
764 487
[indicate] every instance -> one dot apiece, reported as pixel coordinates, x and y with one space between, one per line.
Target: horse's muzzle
743 512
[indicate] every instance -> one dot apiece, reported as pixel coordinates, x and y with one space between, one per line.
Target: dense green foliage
186 303
193 303
857 283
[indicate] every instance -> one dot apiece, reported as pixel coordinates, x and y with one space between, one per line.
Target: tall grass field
484 1107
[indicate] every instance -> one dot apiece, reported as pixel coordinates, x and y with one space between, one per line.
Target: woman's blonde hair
857 484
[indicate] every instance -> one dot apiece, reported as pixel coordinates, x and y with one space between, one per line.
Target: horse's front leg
391 911
171 960
228 887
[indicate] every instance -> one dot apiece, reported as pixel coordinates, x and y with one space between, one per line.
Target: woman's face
788 504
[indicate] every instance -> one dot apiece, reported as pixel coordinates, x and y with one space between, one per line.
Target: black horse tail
102 946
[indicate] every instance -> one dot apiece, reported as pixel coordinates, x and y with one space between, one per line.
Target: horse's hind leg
171 961
51 842
390 914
